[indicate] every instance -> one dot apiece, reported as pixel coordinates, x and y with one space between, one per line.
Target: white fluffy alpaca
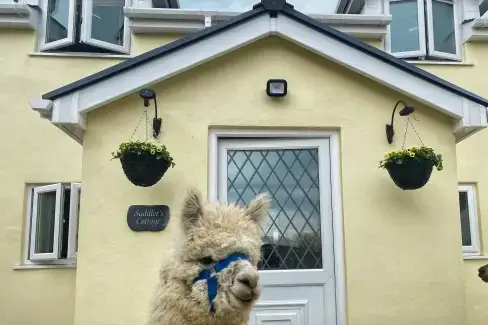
226 237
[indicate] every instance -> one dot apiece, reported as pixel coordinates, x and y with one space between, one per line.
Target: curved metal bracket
147 95
405 111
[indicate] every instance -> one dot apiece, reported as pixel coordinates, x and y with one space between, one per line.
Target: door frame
336 191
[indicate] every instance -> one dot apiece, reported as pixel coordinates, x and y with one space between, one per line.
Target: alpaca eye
206 260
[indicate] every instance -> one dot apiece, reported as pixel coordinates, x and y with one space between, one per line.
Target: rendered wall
472 158
390 235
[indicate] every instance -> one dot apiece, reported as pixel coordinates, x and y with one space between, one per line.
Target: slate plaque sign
148 217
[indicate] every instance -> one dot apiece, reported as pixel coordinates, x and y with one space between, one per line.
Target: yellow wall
34 151
472 168
403 254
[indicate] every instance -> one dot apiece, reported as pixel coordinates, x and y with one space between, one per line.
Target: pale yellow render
116 268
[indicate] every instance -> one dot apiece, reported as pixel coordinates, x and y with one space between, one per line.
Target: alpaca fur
483 273
211 230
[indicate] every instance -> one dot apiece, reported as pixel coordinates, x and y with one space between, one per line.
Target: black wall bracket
147 95
405 111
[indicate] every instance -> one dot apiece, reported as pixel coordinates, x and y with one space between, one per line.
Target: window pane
108 21
444 37
404 26
292 236
465 224
307 6
57 20
46 209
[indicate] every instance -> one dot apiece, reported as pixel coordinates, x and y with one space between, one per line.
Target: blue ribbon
211 277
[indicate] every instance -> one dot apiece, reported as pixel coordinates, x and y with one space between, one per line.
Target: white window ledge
81 55
427 62
475 257
18 16
43 266
160 20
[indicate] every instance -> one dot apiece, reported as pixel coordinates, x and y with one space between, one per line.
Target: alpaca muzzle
210 276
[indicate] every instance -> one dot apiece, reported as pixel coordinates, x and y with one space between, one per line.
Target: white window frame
58 189
474 249
86 29
426 38
75 194
31 258
70 39
422 51
430 31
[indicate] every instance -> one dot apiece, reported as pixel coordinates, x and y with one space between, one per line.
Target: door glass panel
291 236
108 21
46 210
404 26
444 36
57 20
465 224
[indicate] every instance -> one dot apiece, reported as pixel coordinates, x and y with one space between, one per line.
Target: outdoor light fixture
276 87
147 95
405 111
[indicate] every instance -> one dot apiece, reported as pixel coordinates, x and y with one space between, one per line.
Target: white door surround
293 310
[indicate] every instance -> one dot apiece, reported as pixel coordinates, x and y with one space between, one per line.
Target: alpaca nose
249 279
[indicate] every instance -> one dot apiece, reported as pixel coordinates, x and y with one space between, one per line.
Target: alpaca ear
192 209
258 208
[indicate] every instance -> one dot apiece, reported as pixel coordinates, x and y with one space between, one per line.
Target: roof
273 7
67 107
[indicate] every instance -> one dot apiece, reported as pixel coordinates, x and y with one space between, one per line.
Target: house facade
71 75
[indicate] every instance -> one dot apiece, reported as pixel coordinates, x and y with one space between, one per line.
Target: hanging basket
411 168
143 170
144 162
412 174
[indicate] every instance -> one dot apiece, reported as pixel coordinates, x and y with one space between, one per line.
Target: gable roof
269 17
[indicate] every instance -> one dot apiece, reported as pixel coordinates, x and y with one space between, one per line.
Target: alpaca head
483 273
222 240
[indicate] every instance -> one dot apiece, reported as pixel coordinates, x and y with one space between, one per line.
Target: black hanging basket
143 170
412 174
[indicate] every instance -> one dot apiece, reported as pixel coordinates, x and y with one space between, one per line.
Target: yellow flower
159 149
153 151
144 147
412 154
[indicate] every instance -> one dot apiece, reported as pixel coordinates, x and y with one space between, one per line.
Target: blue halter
211 277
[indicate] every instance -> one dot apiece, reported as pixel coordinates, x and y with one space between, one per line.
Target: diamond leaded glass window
291 235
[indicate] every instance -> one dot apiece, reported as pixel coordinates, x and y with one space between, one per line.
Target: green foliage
149 148
413 153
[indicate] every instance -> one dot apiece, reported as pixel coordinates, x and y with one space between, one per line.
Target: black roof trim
154 53
272 7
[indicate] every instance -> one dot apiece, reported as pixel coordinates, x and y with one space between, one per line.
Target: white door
297 266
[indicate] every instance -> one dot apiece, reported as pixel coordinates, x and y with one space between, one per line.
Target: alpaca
224 238
483 273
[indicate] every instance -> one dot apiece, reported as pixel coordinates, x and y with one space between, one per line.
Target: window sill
426 62
475 257
82 55
43 266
